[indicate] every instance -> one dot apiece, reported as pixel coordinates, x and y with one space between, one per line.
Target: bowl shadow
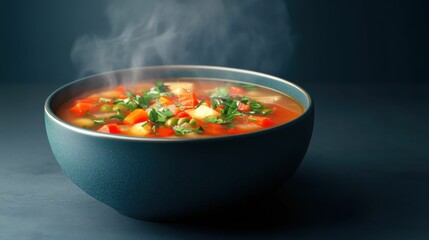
307 201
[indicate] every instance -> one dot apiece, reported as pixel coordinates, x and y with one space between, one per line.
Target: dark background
365 175
335 41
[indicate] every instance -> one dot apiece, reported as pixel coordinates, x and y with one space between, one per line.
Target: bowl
168 179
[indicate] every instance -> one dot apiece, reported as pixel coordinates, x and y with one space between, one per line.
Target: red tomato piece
263 121
236 91
182 114
243 107
110 128
165 132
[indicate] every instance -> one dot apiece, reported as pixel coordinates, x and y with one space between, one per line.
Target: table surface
365 176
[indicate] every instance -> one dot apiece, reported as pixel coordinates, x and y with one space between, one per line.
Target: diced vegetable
120 89
106 108
262 121
180 85
182 121
182 114
165 101
243 107
188 100
80 109
120 107
83 122
236 91
203 111
193 122
88 100
140 130
136 116
171 122
165 132
110 128
214 129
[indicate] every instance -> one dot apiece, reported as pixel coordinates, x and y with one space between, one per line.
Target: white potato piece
83 122
139 130
202 112
179 91
176 85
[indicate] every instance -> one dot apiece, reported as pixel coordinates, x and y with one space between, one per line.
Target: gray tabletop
365 176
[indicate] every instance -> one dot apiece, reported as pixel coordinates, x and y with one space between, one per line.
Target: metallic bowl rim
48 111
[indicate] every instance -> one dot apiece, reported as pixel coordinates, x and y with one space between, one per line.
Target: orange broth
181 108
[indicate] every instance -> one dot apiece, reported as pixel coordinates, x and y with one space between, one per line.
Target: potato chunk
184 85
139 129
83 122
202 112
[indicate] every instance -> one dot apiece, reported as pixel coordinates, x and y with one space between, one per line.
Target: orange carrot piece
214 129
136 116
120 89
81 109
110 128
188 100
262 121
165 101
88 100
122 96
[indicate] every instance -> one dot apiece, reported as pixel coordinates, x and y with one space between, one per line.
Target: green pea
266 111
182 121
193 122
120 107
106 108
171 122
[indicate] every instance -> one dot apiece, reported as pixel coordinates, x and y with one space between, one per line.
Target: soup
181 108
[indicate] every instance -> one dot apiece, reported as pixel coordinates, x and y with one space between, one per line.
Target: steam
247 34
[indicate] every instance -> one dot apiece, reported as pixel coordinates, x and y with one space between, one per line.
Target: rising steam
247 34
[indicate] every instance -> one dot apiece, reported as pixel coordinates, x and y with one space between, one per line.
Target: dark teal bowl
168 179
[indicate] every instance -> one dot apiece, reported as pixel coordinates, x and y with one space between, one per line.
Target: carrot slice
188 100
122 96
136 116
110 128
262 121
120 89
165 101
81 109
214 129
236 91
88 100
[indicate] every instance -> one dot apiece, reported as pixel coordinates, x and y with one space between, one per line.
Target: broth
174 108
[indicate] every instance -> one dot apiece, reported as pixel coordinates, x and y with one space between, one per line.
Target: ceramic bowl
168 179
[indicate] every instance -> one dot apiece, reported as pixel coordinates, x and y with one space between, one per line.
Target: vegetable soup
181 108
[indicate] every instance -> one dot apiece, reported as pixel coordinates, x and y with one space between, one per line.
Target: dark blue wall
336 40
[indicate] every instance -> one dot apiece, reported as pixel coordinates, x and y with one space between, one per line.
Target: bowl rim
48 111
